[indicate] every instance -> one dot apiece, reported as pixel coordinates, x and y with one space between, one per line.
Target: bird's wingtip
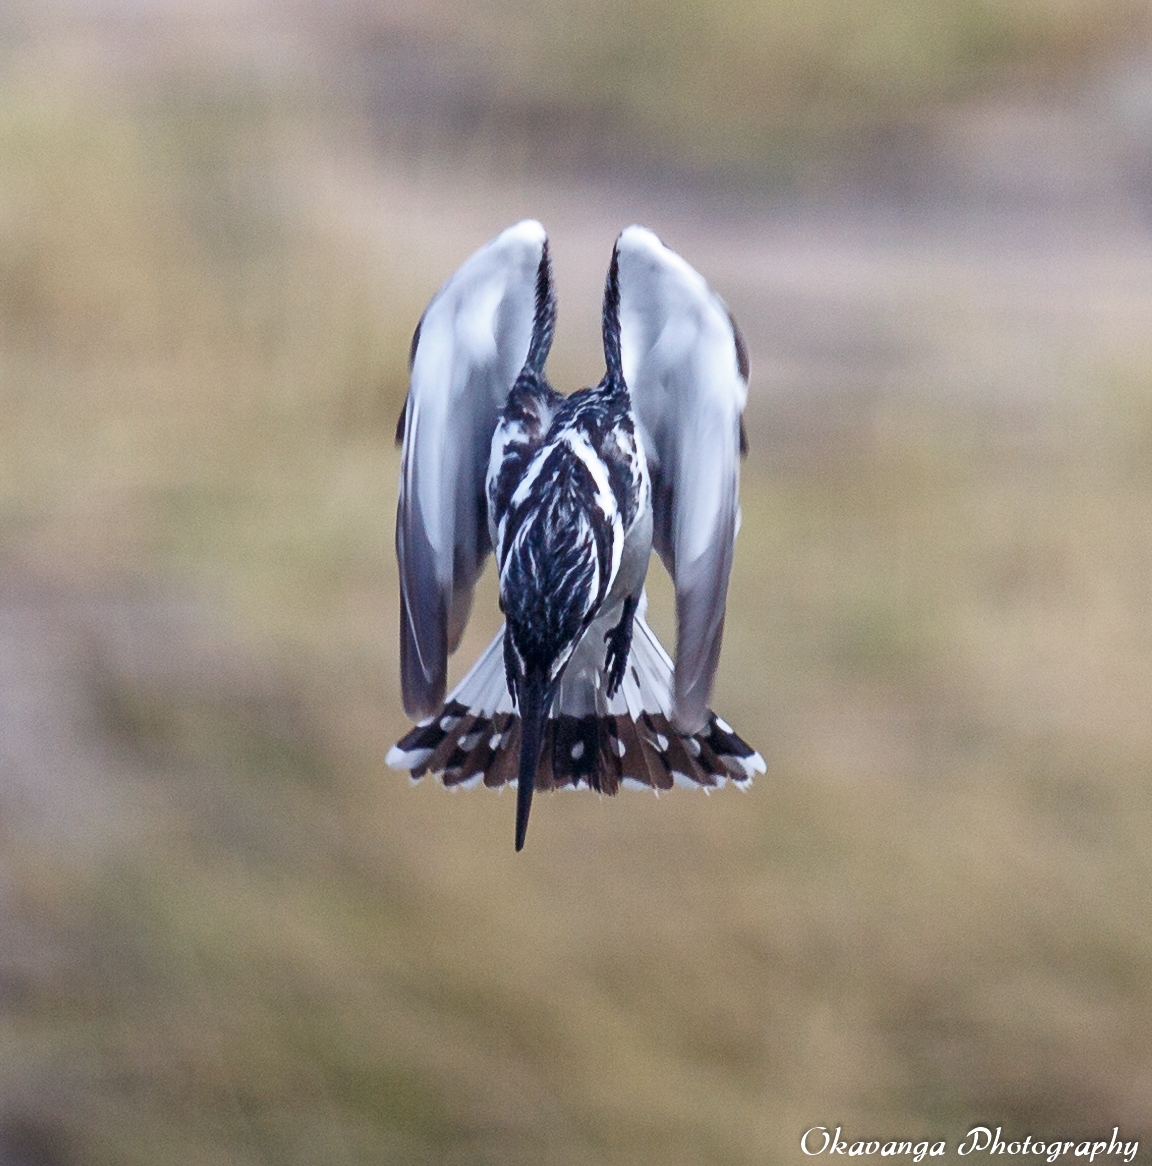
529 230
637 236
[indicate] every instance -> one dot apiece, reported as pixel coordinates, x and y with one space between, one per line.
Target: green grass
931 913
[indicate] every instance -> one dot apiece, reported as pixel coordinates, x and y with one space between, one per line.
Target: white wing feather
471 343
684 364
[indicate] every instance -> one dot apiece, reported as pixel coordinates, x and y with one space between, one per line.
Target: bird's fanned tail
629 743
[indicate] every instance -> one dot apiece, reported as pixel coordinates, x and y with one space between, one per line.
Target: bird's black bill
534 700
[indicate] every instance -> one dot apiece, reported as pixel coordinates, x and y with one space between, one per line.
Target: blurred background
230 935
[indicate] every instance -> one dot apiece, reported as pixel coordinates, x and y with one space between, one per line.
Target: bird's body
571 521
575 689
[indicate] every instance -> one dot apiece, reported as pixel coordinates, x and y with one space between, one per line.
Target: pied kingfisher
573 493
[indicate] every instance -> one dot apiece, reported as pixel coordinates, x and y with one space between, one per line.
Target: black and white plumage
573 494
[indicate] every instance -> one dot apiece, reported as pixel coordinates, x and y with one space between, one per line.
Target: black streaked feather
544 321
401 421
610 322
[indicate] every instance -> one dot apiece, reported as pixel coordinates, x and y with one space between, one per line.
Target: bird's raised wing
687 371
471 343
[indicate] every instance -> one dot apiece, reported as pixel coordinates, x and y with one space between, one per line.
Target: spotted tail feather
628 743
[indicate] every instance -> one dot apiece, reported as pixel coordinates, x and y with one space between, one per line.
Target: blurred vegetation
933 910
779 88
181 350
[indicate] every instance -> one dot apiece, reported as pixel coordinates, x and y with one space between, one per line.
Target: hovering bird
573 494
